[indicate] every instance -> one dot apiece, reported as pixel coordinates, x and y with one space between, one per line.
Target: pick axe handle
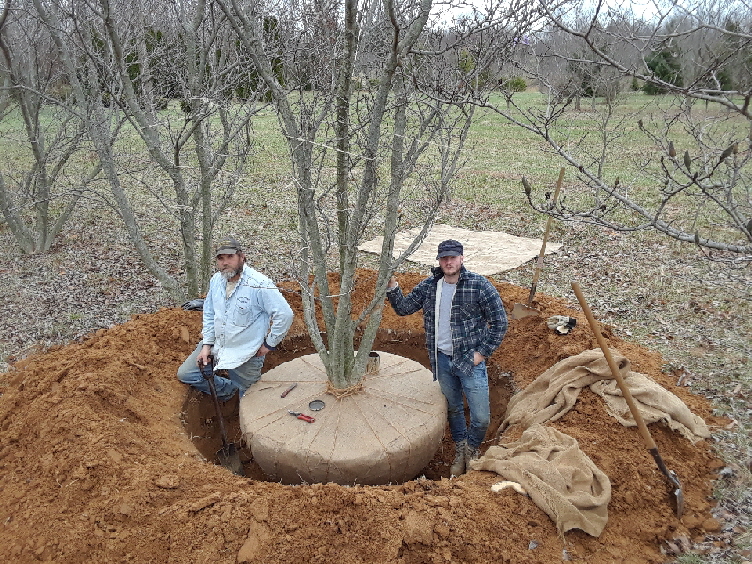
539 262
646 436
207 371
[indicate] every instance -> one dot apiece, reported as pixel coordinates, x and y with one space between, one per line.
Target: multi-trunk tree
373 100
169 72
43 175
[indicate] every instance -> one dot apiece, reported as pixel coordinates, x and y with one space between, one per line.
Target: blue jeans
475 390
238 379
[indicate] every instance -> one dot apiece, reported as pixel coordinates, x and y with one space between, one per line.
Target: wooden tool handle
539 262
646 437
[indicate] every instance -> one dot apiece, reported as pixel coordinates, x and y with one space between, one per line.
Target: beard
450 270
229 273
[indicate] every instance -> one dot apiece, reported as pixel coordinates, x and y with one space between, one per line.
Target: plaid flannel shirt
478 321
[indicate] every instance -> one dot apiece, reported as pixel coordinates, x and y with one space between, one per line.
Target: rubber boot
472 454
460 454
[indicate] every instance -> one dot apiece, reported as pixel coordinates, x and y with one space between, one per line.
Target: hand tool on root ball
316 405
287 391
526 310
673 479
228 455
302 416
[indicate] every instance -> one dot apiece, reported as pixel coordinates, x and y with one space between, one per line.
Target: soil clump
105 457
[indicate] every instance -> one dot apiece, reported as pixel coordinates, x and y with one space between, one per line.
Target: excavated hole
199 416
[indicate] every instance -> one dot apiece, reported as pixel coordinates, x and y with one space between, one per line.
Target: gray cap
449 248
228 246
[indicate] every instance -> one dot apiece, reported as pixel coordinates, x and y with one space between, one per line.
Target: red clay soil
103 458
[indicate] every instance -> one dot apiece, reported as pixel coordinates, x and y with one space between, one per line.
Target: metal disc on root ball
316 405
386 433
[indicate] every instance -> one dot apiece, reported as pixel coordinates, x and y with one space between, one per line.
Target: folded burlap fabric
555 391
557 476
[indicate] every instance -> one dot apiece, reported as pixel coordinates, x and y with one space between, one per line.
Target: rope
340 393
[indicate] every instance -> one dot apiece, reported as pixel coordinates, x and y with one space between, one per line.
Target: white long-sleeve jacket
237 326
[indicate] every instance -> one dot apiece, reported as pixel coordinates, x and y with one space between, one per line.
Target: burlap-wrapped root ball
385 433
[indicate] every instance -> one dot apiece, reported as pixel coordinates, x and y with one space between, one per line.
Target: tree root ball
384 433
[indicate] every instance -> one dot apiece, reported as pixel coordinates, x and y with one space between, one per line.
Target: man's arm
207 331
405 305
280 315
496 317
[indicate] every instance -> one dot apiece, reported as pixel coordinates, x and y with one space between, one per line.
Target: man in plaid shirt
465 322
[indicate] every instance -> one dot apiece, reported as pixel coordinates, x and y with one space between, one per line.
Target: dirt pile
101 461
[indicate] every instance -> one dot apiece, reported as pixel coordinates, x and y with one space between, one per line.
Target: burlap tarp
555 391
486 252
557 476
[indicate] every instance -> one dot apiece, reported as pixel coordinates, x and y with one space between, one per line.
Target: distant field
498 153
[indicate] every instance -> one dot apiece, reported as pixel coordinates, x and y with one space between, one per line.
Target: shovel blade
679 503
678 493
521 310
229 458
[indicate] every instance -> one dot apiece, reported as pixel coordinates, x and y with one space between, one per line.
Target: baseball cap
228 246
449 248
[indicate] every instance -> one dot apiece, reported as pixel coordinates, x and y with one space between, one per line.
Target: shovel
673 479
526 310
228 455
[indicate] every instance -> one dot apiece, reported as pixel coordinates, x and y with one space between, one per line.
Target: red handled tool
287 391
302 417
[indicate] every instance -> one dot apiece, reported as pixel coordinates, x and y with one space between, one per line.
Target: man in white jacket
245 316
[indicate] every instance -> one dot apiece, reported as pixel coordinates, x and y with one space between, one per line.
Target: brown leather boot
460 454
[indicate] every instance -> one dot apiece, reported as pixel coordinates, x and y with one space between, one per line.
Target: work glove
194 305
561 324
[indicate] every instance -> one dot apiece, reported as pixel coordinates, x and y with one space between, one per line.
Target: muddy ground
106 457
